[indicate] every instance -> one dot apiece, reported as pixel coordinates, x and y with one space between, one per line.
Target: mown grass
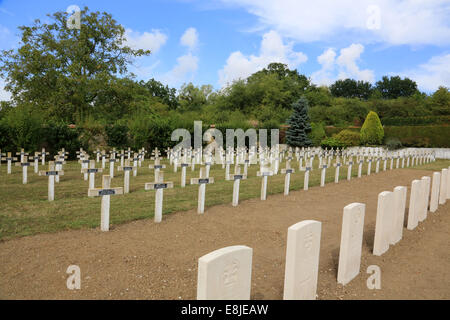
24 209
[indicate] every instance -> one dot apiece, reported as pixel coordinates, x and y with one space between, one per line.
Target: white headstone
351 242
434 201
414 204
302 260
383 226
448 183
225 274
443 187
426 183
399 214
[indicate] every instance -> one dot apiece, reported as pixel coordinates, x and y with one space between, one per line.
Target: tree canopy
59 76
63 71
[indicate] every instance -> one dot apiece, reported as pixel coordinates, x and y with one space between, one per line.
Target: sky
218 41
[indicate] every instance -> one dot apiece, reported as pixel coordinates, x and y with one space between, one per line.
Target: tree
394 87
62 70
372 131
167 95
297 134
192 98
350 88
440 101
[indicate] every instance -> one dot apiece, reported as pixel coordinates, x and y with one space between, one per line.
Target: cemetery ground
139 259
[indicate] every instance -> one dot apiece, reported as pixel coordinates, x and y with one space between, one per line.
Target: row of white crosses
225 274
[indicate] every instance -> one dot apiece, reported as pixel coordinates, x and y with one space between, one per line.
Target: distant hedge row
416 121
420 136
436 136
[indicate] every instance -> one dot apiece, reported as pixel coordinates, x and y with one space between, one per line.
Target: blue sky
218 41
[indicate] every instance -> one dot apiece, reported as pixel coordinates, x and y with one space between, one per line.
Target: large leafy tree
297 134
350 88
395 87
167 95
63 70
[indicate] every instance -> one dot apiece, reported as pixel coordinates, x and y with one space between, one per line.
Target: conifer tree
372 132
297 134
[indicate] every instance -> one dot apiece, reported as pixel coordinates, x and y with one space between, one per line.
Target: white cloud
400 22
432 74
325 75
348 67
239 66
345 65
4 95
186 65
147 41
190 38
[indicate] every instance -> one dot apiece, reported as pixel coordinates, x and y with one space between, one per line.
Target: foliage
348 137
166 95
332 143
60 76
24 127
297 134
394 87
393 143
58 135
372 132
61 71
317 133
350 88
416 121
421 136
117 136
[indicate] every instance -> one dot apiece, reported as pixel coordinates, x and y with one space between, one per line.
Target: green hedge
415 121
436 136
420 136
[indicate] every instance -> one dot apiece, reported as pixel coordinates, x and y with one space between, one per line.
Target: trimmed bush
332 143
348 137
372 132
421 136
416 121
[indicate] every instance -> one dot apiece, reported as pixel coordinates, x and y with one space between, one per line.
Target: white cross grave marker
105 192
51 173
91 171
24 164
159 186
202 182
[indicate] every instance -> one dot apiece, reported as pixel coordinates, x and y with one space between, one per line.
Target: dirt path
144 260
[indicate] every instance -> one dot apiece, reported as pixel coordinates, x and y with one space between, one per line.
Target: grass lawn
24 209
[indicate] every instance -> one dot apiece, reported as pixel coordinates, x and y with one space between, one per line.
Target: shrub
332 143
24 125
58 135
5 140
372 131
393 143
348 137
117 136
416 121
317 133
421 136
